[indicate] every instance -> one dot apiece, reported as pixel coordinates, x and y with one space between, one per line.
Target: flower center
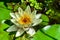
25 19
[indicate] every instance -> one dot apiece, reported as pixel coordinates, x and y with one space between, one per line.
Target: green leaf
53 31
2 5
45 19
4 12
41 36
3 34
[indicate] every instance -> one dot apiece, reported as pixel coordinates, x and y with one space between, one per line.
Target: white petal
38 16
20 11
34 13
12 28
19 32
15 22
36 22
17 15
47 27
12 15
28 10
31 31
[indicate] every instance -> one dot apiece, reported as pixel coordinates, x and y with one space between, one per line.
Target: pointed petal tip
28 6
17 34
28 10
19 8
35 11
8 30
38 16
20 11
12 15
31 32
12 28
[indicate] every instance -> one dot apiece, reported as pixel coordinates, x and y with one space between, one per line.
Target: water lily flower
24 21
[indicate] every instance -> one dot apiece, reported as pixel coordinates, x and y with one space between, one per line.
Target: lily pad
53 31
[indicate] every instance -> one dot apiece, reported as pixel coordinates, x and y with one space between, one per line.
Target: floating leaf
54 31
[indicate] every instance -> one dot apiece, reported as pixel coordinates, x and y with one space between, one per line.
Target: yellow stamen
25 19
